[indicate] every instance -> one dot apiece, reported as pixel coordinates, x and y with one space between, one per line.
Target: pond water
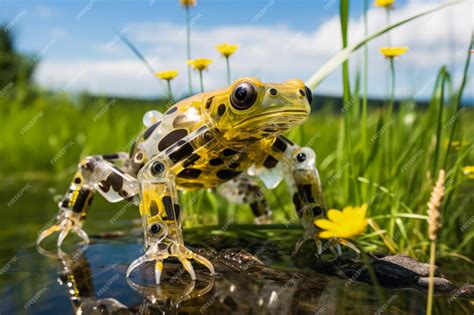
91 279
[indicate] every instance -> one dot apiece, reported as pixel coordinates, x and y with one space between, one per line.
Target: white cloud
274 53
59 32
46 11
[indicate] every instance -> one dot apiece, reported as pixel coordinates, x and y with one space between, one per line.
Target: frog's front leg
161 219
160 210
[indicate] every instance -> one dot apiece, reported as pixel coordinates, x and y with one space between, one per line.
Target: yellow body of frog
229 140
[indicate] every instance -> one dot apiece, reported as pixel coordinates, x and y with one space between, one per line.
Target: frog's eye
243 96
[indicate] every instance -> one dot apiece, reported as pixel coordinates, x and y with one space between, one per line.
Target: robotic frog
224 140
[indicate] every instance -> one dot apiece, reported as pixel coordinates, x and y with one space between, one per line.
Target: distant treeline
319 101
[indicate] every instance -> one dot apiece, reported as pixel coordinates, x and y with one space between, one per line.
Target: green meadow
392 164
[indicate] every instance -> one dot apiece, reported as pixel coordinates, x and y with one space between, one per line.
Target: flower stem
228 70
188 47
389 42
170 95
388 142
200 79
392 85
429 306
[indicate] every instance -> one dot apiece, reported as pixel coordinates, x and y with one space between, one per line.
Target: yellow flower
384 3
167 75
392 52
468 171
199 63
456 144
187 3
227 50
347 223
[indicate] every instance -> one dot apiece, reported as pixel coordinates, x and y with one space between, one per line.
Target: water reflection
94 280
167 296
75 276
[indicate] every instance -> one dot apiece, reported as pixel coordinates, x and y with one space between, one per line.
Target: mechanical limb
306 191
94 173
161 220
298 164
159 207
245 189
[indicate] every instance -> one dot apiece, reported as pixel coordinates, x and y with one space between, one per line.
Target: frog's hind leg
98 172
245 189
161 219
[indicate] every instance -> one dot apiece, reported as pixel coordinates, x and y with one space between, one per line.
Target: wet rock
421 269
392 271
442 286
446 287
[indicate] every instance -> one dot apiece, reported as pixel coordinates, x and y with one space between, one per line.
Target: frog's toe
188 267
47 232
82 234
139 261
204 261
341 241
158 270
150 255
309 234
65 228
319 246
185 255
335 247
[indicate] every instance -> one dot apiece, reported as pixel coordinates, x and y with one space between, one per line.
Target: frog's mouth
289 117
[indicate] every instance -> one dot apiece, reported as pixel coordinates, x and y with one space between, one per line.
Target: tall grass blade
138 54
457 102
365 76
344 19
439 120
349 171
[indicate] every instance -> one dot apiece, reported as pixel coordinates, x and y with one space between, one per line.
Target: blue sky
78 48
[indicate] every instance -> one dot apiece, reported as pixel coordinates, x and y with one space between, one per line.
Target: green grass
397 191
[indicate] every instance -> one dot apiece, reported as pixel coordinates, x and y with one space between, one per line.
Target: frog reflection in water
229 140
75 274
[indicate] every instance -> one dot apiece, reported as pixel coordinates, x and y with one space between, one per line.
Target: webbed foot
161 251
66 223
